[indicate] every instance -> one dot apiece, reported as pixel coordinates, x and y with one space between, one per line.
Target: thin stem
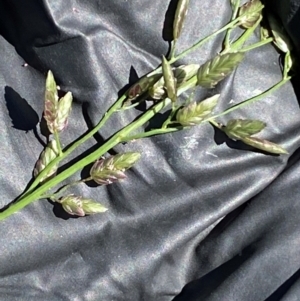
242 39
231 24
198 44
216 124
251 100
144 118
56 137
256 45
64 188
153 133
172 50
211 118
128 107
202 41
174 108
228 32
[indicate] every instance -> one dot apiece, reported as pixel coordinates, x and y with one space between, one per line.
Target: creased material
199 217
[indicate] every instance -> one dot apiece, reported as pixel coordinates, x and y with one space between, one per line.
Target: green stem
174 108
64 188
256 45
242 39
143 119
172 50
231 24
211 118
228 32
198 44
216 124
202 41
251 100
153 133
56 137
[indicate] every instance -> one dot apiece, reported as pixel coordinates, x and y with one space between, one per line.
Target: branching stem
39 190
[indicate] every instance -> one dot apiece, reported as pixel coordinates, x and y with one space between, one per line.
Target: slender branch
153 133
64 188
133 105
216 124
256 45
242 39
172 51
231 24
228 32
144 118
171 115
201 42
251 100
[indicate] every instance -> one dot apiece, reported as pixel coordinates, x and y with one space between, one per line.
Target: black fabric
199 217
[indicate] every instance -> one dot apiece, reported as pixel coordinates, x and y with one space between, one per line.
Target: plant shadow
167 33
22 115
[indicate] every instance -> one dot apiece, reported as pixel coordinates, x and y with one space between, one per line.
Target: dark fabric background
198 218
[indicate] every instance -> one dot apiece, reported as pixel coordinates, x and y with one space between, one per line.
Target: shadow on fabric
203 287
283 289
23 116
